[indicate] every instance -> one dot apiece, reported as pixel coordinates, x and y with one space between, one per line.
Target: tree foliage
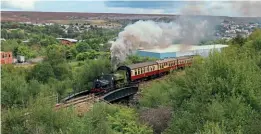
42 72
89 72
219 95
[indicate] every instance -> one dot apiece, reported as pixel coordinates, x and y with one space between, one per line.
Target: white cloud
19 4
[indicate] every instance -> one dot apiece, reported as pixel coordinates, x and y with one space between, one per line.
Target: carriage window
3 56
9 55
136 72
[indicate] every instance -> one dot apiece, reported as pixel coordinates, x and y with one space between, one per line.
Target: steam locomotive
133 74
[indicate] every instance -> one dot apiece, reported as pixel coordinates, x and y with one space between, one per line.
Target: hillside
40 17
51 16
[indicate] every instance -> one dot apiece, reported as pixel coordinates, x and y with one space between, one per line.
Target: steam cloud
186 30
150 34
249 8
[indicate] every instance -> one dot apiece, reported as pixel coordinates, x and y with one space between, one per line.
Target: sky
207 7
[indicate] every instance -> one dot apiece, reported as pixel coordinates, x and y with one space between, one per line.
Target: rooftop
181 47
68 39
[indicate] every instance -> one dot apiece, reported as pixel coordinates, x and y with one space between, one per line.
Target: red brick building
6 57
66 41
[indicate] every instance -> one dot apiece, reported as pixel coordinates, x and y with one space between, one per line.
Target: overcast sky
207 7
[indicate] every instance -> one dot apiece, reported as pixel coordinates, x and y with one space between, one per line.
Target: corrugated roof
68 39
180 47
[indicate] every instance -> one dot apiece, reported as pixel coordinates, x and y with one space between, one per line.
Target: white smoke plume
248 8
150 34
142 34
223 8
186 30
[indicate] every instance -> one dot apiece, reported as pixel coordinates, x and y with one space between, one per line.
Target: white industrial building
179 50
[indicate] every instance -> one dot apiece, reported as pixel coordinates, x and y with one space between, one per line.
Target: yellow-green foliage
221 94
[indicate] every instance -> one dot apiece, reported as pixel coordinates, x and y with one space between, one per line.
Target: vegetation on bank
221 94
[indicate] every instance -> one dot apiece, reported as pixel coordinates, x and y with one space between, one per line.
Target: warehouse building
179 50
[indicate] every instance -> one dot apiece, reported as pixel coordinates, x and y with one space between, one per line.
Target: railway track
81 104
84 103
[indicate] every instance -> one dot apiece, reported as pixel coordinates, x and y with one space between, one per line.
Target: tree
42 72
90 71
55 54
82 47
24 50
239 40
62 71
218 94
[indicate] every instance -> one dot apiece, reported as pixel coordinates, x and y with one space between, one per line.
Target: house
67 41
6 57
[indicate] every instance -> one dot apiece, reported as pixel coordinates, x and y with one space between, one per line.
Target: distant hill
24 16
